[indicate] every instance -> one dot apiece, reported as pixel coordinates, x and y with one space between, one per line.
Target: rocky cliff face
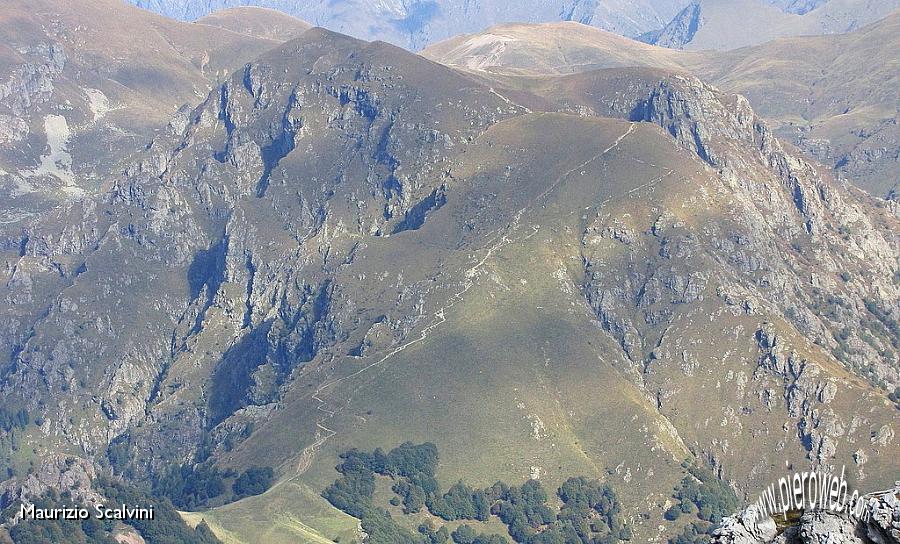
748 265
76 98
679 31
278 303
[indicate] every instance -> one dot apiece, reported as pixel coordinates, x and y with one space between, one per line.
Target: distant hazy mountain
418 23
797 6
702 24
729 24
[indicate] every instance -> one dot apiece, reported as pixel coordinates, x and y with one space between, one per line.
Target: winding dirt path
501 240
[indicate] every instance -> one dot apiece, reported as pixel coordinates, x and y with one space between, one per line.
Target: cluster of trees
592 507
523 509
383 529
118 454
702 493
354 490
465 534
89 531
194 486
10 419
589 515
693 533
190 487
463 502
253 481
167 527
890 327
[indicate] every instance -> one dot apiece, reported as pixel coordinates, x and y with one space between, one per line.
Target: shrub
253 481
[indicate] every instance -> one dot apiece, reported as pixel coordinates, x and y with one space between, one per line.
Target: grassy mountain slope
347 245
556 48
830 95
256 22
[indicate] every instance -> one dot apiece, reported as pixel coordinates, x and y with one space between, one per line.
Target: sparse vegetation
10 420
694 533
712 497
894 396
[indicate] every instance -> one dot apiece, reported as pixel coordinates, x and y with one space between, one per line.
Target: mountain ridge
808 98
419 24
257 22
345 245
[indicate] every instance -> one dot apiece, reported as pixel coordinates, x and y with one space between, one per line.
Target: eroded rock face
244 211
880 524
644 276
60 473
743 528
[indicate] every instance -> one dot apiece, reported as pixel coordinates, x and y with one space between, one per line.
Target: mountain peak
257 22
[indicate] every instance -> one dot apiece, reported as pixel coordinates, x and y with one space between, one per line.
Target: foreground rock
880 525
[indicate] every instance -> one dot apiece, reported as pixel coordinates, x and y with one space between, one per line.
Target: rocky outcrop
743 528
58 473
801 203
247 208
646 275
32 82
878 524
